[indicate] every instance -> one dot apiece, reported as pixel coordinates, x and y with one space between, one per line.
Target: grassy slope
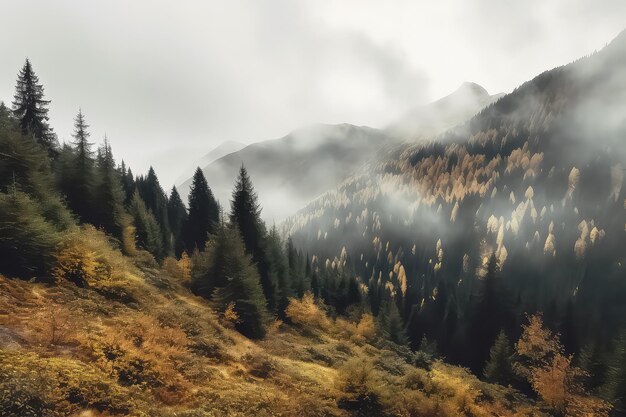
147 346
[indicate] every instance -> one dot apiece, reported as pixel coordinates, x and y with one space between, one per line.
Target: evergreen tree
110 214
279 272
237 283
148 232
489 315
614 388
246 215
156 201
203 213
77 172
177 216
24 166
128 182
498 368
31 110
392 324
27 239
590 359
295 270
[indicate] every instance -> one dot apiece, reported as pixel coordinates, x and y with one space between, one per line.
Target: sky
169 81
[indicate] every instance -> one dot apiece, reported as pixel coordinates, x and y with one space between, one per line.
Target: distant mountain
219 151
291 171
535 180
427 121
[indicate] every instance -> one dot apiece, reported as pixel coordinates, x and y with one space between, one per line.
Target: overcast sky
167 81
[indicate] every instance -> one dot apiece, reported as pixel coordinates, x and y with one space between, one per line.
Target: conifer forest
467 257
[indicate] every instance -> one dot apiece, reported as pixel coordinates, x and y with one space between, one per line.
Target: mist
168 82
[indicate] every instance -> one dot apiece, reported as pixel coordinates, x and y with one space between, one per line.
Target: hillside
520 210
141 344
293 170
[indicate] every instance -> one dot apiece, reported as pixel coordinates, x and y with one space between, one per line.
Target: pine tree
177 216
148 232
392 324
30 108
236 283
110 214
77 172
590 359
246 215
128 182
156 201
295 270
203 213
27 239
489 317
498 368
279 273
614 388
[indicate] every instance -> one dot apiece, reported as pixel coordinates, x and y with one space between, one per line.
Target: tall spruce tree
78 180
392 324
156 201
498 368
246 215
236 283
203 215
148 232
489 316
110 213
31 110
177 215
279 272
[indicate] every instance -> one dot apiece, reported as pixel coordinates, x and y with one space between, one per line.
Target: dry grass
67 350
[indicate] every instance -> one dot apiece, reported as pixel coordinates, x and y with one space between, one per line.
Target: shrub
306 312
360 387
34 386
366 327
87 257
260 365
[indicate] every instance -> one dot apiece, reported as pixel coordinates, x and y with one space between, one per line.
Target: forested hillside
498 246
117 299
521 210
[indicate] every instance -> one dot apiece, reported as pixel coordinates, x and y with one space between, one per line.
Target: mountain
216 153
291 171
427 121
519 210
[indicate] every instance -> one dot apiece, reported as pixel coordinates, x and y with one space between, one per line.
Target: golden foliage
306 312
549 370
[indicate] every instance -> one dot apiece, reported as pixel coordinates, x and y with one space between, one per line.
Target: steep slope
535 179
159 351
291 171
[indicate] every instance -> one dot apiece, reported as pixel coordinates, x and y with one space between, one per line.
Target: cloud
157 74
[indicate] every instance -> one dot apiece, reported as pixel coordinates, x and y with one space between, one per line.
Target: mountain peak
472 89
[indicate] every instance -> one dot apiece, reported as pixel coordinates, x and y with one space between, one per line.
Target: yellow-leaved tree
541 359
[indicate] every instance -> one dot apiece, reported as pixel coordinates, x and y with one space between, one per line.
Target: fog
170 81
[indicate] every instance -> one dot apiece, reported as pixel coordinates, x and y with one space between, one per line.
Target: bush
306 312
88 258
260 365
360 387
34 386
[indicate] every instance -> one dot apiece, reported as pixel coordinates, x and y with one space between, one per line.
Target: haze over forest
297 209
